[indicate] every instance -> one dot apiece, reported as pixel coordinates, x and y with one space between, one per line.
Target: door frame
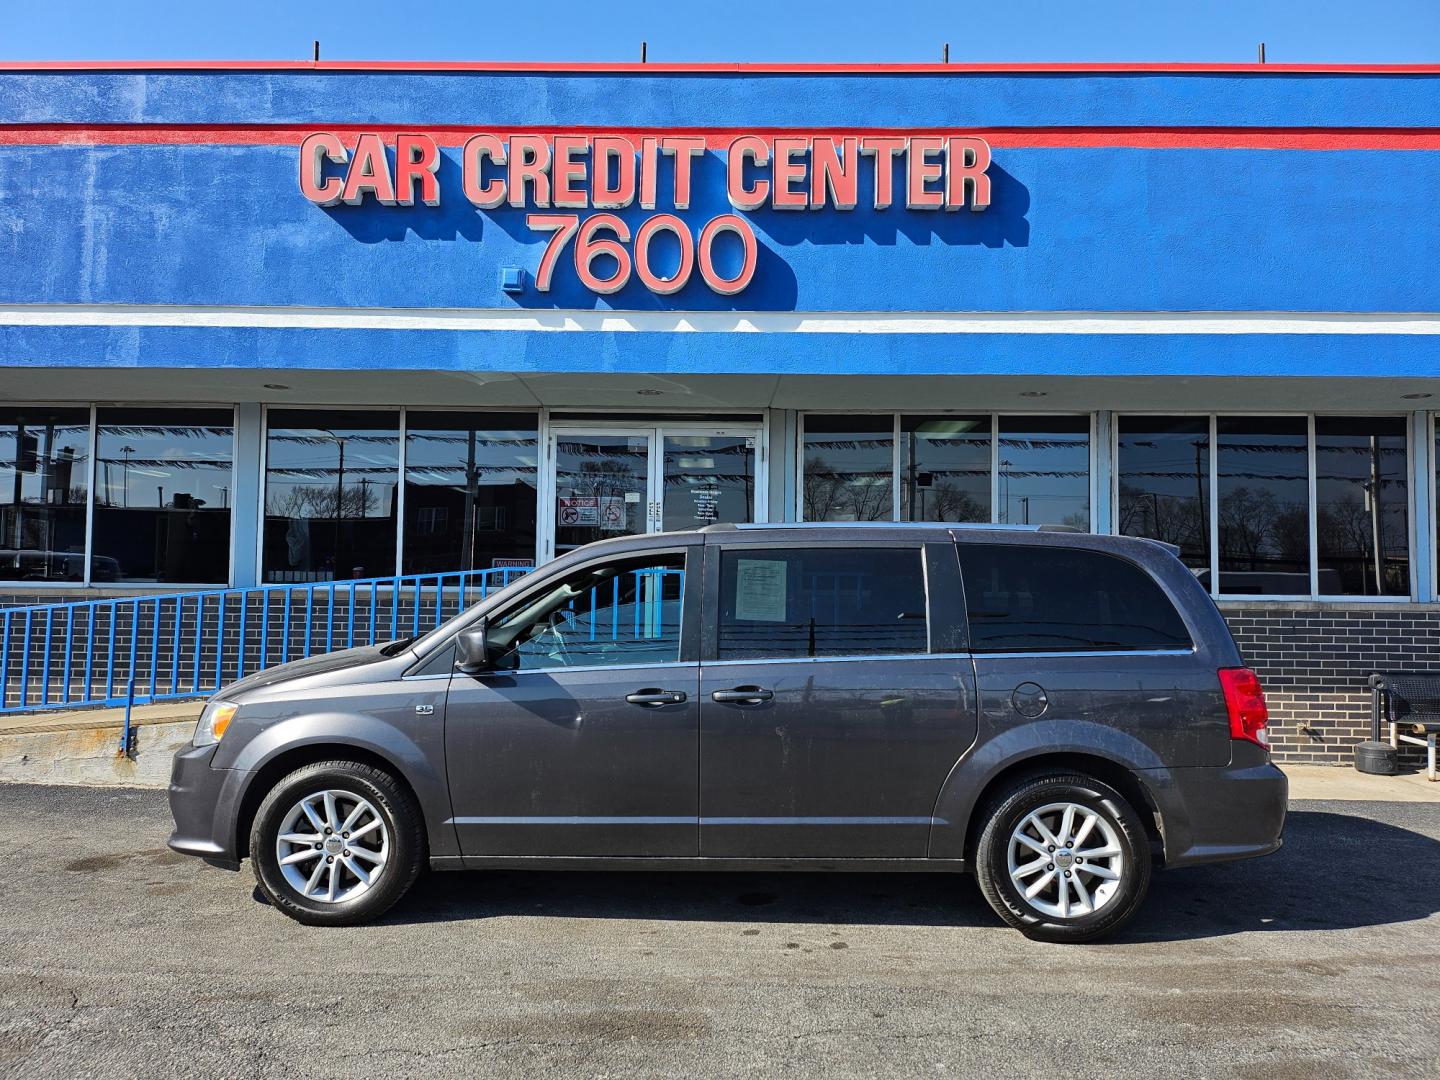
655 430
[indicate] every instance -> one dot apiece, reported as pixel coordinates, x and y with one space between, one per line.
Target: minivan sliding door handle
742 695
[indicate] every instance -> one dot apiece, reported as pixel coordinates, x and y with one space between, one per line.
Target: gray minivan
1057 712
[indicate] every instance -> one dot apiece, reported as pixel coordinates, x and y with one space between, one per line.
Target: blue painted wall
725 100
1069 228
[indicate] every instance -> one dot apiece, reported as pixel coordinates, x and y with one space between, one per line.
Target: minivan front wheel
1063 857
336 843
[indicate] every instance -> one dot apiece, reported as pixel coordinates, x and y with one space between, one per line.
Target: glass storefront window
849 468
945 468
44 459
1163 469
162 495
1263 475
470 490
1362 506
1044 470
330 484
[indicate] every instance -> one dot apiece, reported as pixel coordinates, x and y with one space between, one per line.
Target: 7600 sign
601 235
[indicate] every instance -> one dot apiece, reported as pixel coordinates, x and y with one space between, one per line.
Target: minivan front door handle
656 698
742 695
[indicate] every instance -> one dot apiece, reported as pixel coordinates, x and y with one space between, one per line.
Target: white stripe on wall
723 322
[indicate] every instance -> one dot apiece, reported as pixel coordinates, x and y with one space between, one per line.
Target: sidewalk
1343 782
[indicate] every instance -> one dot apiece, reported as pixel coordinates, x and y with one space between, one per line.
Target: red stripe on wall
719 139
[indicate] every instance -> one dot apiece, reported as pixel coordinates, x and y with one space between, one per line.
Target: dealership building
314 322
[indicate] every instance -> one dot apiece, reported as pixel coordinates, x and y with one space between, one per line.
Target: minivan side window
621 612
803 602
1049 599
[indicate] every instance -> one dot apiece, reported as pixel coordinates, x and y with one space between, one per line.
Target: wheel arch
1126 765
284 762
1108 771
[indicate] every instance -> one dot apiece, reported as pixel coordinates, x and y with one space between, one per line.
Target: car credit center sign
554 177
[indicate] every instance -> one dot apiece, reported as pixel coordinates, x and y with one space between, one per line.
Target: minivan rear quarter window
803 602
1049 599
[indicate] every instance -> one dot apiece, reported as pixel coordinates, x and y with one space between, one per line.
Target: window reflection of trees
849 470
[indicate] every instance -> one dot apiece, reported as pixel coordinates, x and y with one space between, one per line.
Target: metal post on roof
316 46
643 50
1262 52
945 53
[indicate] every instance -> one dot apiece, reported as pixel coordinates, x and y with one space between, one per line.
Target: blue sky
1295 31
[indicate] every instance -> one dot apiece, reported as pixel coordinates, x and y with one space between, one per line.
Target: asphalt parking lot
118 958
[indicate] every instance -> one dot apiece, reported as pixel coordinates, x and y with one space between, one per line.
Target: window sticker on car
760 590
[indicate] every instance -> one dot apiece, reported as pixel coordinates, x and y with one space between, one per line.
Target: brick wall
1315 659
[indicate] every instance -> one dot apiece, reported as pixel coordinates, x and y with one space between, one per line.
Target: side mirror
472 649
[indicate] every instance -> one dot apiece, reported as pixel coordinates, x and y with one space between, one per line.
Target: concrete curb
90 755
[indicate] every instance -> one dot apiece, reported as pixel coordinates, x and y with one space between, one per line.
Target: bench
1410 703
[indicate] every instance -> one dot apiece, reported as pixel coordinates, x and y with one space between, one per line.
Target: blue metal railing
186 645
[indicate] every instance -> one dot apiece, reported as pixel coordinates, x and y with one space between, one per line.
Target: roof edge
632 68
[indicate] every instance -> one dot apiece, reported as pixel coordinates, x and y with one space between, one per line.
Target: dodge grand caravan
1057 713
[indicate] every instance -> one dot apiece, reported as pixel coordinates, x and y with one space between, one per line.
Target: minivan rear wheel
337 843
1063 857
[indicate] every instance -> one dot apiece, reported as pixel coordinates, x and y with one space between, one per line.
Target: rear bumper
202 803
1219 814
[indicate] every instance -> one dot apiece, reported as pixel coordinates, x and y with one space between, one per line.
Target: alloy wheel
332 846
1065 860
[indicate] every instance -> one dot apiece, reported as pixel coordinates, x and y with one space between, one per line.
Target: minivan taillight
1245 701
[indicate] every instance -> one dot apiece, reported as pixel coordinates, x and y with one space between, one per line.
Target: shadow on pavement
1335 872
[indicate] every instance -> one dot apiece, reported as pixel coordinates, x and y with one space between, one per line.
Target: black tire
394 805
1012 807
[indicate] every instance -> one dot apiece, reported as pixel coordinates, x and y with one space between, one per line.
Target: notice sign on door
612 514
707 504
581 511
578 511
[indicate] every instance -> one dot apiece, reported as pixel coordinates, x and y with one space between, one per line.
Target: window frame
1313 526
91 475
551 575
263 483
685 628
92 502
939 614
402 433
896 415
404 468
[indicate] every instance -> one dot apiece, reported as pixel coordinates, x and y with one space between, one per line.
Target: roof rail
976 525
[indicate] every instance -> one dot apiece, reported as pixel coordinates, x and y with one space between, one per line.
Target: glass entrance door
708 478
601 484
617 481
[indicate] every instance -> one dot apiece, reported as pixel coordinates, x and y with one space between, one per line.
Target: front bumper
1220 814
202 803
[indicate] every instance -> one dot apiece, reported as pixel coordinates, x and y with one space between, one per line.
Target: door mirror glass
472 649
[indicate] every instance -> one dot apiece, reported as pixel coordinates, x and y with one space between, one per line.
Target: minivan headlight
214 720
